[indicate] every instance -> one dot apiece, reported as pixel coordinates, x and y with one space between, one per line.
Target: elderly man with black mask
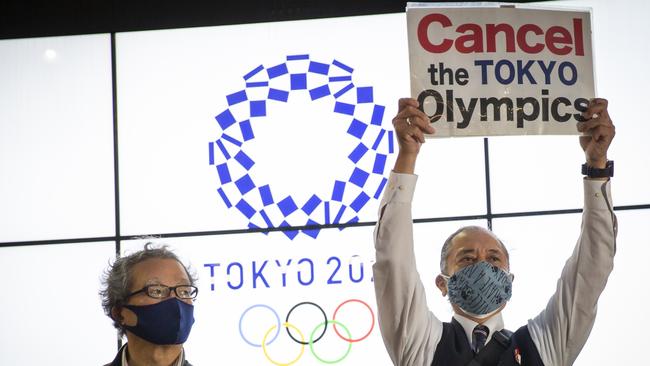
149 296
475 269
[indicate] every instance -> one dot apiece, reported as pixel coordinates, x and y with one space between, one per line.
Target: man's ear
441 283
116 314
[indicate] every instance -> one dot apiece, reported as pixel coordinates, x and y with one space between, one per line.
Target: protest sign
489 71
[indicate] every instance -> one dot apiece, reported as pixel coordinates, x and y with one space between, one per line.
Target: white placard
500 71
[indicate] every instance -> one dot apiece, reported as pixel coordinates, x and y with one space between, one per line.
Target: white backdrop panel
50 302
172 84
56 138
620 54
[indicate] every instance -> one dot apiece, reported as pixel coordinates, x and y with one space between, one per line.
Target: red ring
372 313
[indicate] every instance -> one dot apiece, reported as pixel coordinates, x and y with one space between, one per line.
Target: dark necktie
479 335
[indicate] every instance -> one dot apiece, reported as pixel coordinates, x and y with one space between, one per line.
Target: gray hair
446 247
117 278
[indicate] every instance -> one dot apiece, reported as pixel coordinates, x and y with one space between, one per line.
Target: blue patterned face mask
479 289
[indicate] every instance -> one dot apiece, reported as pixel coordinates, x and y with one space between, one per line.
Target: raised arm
410 331
561 329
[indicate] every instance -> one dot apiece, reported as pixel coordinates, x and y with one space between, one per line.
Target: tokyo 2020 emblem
361 176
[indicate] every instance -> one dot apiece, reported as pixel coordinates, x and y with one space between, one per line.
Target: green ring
311 342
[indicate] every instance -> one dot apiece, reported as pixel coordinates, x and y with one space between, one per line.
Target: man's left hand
599 132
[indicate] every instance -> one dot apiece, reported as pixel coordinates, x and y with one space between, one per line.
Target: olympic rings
311 344
277 318
312 336
372 314
324 328
302 346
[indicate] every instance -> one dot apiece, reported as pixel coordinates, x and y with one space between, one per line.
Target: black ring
324 316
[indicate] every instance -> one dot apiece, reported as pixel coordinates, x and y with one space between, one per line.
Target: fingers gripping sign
411 124
598 133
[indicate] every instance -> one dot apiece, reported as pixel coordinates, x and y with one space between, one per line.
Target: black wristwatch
592 172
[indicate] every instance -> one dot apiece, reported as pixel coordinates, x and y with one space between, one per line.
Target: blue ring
277 318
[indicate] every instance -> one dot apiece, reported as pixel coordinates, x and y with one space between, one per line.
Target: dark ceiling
37 18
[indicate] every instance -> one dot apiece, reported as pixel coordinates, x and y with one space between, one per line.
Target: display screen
221 133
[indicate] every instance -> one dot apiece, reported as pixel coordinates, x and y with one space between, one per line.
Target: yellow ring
302 346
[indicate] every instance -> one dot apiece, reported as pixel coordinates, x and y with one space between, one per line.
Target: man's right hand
410 125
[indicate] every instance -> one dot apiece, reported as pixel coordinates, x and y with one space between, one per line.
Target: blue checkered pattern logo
362 176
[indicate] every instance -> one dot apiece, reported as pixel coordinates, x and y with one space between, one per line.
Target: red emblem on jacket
517 356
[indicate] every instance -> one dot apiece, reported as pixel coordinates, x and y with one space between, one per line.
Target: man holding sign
524 72
475 269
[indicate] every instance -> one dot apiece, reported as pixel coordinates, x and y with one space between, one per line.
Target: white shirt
494 324
411 332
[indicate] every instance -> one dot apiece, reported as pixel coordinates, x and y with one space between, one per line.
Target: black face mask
166 322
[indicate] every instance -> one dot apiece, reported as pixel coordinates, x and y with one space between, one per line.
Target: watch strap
592 172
